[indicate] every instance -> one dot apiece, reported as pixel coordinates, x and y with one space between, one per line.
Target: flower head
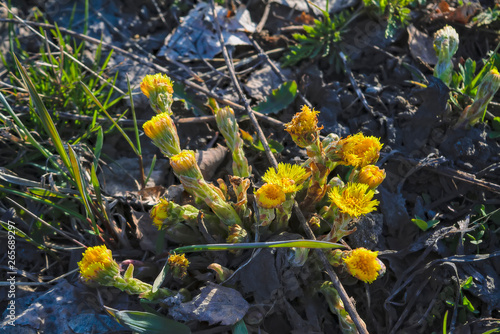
159 89
185 163
371 175
269 196
162 131
159 212
304 127
355 199
363 264
98 265
359 150
178 265
289 177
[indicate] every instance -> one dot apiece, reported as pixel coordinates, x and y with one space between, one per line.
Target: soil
434 170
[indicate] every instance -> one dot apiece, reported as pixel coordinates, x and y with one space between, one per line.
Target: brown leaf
209 160
215 304
421 46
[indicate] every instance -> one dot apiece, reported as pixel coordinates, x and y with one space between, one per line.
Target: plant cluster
333 205
478 88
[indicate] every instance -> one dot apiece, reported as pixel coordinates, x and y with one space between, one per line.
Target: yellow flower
162 131
289 177
359 151
184 163
304 127
156 83
159 212
269 196
355 199
363 264
371 175
178 265
97 263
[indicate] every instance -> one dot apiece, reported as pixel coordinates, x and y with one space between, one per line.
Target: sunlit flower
156 83
178 265
159 89
289 177
363 264
371 175
184 163
269 196
304 127
159 212
162 131
98 265
359 150
355 199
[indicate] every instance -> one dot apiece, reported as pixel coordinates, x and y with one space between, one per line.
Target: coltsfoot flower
289 177
363 264
355 199
178 265
97 265
304 127
169 213
159 89
162 131
185 164
371 175
359 150
269 196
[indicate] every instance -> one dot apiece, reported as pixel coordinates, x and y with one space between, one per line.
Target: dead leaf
215 304
145 230
209 160
421 46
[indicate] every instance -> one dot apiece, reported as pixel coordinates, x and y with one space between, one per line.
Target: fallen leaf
210 160
215 304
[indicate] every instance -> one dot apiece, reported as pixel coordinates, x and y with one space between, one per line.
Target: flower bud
159 89
446 45
371 175
162 131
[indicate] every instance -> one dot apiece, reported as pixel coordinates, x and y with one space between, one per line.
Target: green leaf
279 99
240 328
271 244
160 278
468 283
421 224
147 323
466 302
191 101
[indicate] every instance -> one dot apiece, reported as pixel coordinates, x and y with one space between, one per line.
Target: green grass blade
132 108
44 115
87 90
153 163
272 244
27 134
26 238
43 201
81 186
